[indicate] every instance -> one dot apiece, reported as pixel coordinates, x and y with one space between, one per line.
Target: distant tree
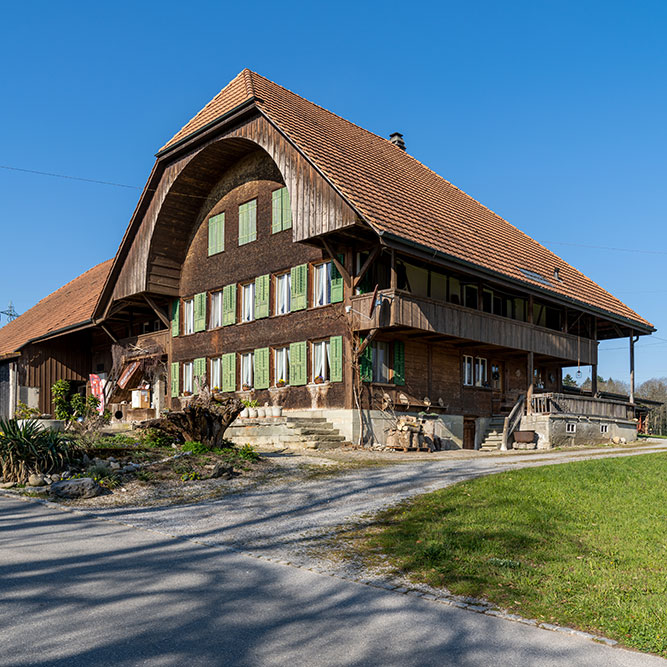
569 381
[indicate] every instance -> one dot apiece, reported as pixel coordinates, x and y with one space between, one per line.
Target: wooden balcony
552 403
399 309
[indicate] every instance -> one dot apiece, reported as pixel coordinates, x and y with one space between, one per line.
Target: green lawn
581 544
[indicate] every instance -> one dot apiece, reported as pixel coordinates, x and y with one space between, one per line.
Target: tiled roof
397 194
68 306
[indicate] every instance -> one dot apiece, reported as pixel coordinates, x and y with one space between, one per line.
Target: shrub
197 448
26 449
24 412
153 437
247 453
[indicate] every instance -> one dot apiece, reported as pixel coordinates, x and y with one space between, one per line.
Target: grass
580 544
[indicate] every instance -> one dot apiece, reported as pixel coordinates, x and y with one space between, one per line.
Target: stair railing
512 421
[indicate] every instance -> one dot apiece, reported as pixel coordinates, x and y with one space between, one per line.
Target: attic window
557 275
533 275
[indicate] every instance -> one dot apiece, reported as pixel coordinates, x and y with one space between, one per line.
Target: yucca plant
25 449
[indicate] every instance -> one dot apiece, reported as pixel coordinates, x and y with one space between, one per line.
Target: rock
111 459
36 480
55 478
85 460
114 465
223 471
84 487
7 485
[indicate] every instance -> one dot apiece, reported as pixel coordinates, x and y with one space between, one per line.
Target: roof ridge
249 84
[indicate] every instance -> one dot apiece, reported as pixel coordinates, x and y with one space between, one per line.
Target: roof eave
392 239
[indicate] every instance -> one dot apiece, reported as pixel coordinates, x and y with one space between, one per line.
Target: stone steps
493 438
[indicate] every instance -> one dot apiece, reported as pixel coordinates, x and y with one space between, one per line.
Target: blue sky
550 113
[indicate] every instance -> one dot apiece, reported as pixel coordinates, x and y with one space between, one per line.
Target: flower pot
261 412
245 413
524 436
246 387
281 383
252 413
319 380
276 410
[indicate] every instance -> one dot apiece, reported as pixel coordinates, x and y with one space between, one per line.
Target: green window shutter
262 291
199 373
366 364
299 287
252 220
229 305
261 358
175 317
286 209
200 311
399 362
243 225
336 282
216 234
174 379
336 358
297 364
248 222
229 372
276 212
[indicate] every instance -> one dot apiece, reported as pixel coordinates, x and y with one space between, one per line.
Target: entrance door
468 433
497 393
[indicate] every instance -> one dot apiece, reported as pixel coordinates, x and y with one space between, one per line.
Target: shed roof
399 196
71 305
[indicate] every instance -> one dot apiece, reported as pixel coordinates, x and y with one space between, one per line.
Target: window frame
377 378
216 363
279 278
250 307
188 376
326 374
251 235
327 288
216 310
277 376
468 375
188 316
481 378
570 428
247 365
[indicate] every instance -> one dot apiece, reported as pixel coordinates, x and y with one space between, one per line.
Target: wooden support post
108 333
632 367
529 314
158 311
366 265
594 367
393 280
530 383
334 258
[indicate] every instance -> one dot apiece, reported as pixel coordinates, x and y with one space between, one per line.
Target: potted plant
187 393
276 410
246 387
281 383
261 411
249 408
319 379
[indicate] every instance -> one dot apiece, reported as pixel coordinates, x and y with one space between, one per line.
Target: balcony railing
552 403
395 308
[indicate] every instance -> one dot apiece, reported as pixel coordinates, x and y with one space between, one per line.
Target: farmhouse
285 254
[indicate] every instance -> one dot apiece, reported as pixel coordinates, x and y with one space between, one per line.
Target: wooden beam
530 366
366 341
158 311
366 265
341 269
108 333
632 366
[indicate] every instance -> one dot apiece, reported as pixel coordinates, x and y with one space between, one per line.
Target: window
281 217
281 366
248 222
604 428
380 361
216 373
467 371
470 296
188 376
481 379
322 287
248 302
320 360
216 310
189 315
571 427
496 377
216 234
246 370
283 290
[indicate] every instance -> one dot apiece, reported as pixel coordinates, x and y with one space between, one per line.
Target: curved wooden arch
153 261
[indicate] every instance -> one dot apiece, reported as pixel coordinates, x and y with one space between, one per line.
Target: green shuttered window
336 358
281 216
200 311
174 379
399 362
175 317
262 291
248 222
229 372
229 305
298 366
199 374
216 234
299 287
262 368
366 364
336 282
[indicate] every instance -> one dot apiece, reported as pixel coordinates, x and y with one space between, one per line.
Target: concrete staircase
493 438
291 432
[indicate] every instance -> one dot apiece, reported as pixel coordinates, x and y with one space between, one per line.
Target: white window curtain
467 371
480 372
323 284
380 356
216 310
248 303
282 365
246 369
187 376
321 360
189 312
283 294
216 373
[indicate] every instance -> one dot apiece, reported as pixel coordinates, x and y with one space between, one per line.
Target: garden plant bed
580 545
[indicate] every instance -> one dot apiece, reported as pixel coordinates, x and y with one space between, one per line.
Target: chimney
396 138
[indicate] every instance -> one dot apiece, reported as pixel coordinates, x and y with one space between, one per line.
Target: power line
600 247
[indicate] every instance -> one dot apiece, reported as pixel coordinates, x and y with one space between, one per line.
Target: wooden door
497 379
468 433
